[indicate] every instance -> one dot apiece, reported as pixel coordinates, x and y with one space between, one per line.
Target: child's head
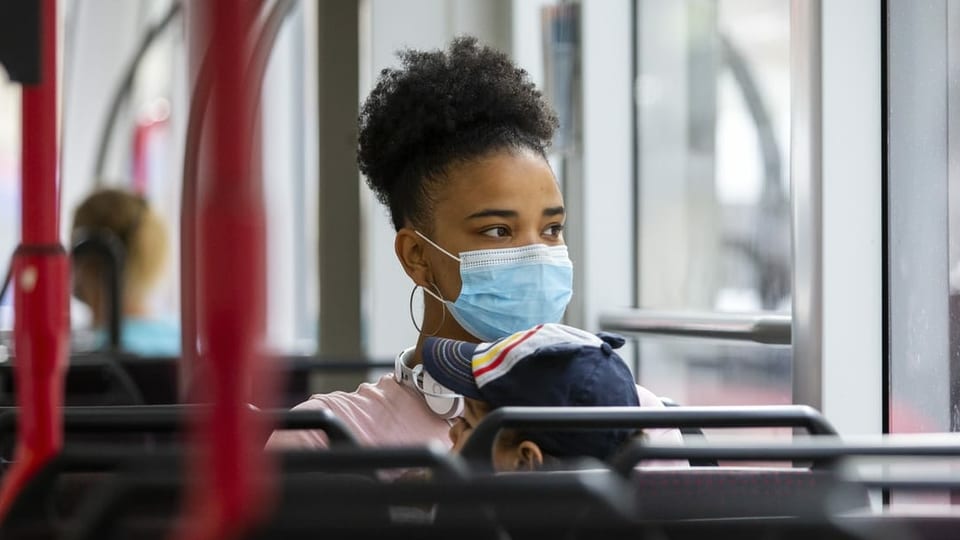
551 365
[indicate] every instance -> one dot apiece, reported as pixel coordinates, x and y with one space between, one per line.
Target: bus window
713 195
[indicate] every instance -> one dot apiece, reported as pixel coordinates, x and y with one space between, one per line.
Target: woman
141 232
454 145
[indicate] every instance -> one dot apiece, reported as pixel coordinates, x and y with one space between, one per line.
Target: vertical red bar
39 143
41 271
231 468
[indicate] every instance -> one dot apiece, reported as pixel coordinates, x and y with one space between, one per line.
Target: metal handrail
173 419
823 449
765 328
478 447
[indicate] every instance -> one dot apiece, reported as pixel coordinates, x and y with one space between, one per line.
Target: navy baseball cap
551 365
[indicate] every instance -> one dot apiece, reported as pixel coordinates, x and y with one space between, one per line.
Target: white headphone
439 398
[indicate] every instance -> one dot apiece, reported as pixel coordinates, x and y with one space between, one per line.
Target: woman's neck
438 324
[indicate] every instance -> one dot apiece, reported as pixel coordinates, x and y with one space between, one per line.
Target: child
549 365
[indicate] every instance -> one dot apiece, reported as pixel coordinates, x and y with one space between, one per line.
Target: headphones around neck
440 399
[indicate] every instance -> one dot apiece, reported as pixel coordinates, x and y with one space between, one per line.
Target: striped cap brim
449 361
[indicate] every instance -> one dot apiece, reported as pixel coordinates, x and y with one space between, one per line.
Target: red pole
231 468
41 273
39 145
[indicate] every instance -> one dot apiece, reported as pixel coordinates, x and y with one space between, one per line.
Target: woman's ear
529 457
412 255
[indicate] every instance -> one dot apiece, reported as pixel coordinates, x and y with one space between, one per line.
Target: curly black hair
443 108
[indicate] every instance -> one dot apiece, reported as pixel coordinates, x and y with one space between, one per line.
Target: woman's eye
554 231
497 232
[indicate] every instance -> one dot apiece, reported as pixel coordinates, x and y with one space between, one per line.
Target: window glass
290 190
713 227
923 216
146 148
923 223
9 185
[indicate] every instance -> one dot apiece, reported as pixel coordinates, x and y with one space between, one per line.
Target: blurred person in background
143 236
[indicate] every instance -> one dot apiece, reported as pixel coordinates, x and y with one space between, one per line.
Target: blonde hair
141 231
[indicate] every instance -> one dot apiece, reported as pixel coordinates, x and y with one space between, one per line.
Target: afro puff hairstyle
441 108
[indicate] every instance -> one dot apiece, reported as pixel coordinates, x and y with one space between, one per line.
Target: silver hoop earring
443 314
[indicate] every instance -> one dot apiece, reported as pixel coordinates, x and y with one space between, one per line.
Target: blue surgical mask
504 291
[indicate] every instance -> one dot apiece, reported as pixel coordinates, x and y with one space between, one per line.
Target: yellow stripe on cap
491 354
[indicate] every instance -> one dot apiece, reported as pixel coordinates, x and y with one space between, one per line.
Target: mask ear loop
443 313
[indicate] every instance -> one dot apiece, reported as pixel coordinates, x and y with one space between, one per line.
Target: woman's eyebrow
496 212
493 212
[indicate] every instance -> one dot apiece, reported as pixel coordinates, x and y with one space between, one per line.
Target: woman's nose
528 237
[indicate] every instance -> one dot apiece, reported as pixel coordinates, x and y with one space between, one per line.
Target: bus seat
734 492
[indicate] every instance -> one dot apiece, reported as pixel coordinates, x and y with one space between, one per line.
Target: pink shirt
387 413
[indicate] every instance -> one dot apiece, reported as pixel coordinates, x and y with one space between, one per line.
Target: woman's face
507 199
